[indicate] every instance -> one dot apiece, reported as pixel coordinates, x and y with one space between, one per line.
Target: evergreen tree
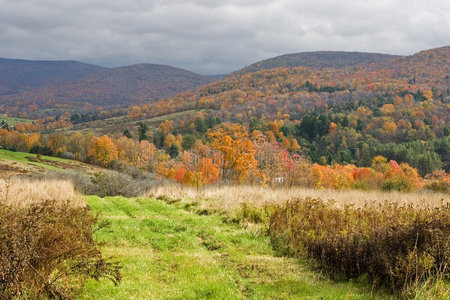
143 128
127 133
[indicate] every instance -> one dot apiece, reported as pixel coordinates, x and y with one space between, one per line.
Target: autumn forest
382 124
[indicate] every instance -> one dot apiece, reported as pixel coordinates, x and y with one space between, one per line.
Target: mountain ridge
111 88
316 59
21 75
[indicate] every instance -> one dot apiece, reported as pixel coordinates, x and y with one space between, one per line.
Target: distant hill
18 75
420 64
435 56
274 93
398 109
317 59
115 87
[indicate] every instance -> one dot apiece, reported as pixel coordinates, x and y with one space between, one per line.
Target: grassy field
168 252
22 157
13 120
185 245
15 163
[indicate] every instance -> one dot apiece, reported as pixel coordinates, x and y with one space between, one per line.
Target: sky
215 37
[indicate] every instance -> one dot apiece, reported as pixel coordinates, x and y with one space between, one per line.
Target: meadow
232 200
13 120
23 157
176 242
169 253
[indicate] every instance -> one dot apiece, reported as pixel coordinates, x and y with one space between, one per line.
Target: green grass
13 120
22 157
169 253
171 116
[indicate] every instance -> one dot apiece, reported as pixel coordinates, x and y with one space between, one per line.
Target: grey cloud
210 36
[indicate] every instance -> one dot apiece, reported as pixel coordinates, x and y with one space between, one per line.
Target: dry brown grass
24 192
227 198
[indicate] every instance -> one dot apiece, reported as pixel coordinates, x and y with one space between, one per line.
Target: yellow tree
33 139
128 150
57 142
166 126
147 155
75 145
103 150
294 145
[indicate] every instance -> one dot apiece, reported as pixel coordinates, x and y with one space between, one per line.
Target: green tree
200 125
188 141
143 128
127 133
365 160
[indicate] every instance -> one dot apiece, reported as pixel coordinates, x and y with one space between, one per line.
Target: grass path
169 253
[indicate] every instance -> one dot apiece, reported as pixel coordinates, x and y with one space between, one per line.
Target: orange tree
238 150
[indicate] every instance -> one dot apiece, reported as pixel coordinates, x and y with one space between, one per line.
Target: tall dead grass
47 249
227 198
23 192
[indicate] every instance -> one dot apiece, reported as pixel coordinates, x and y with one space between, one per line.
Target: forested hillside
18 75
398 109
104 90
317 59
380 125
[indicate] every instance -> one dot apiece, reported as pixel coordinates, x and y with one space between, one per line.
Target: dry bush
116 184
23 192
397 246
46 243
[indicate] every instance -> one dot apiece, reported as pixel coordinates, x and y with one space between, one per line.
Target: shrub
398 247
43 150
438 186
48 251
67 155
110 183
115 184
439 182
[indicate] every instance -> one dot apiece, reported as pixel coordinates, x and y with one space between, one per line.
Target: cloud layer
212 37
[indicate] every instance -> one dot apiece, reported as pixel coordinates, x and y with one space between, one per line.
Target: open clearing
169 253
13 120
16 163
116 125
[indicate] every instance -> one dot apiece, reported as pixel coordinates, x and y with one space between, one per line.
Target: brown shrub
47 249
397 246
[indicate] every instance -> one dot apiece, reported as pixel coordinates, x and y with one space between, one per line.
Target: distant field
22 157
13 120
116 125
13 163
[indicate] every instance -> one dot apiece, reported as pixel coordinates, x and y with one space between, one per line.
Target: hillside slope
109 88
345 115
317 59
18 75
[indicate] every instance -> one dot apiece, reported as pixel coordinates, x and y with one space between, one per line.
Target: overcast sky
212 37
